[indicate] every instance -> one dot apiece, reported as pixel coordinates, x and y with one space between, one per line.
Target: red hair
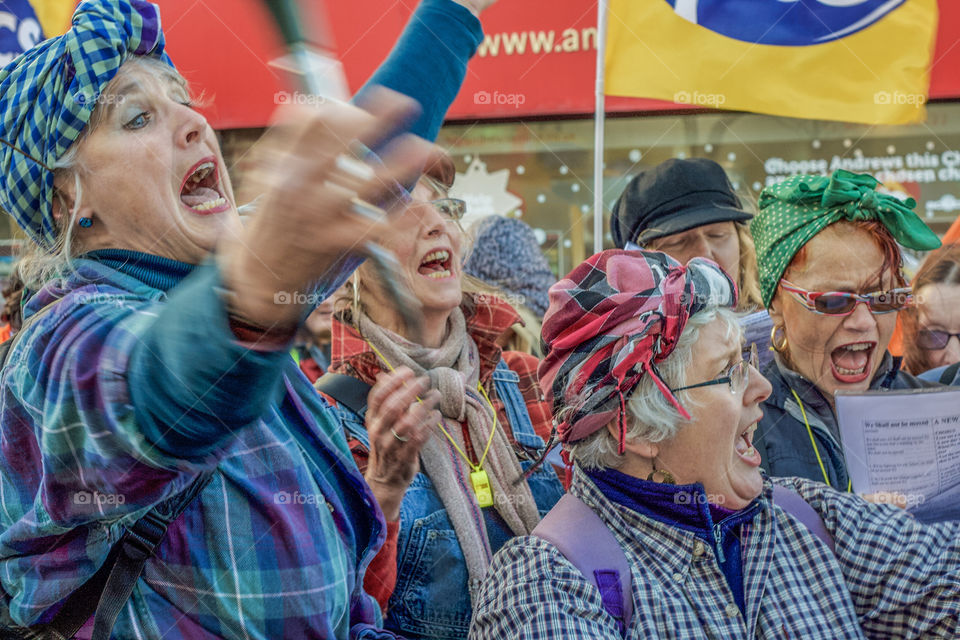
892 258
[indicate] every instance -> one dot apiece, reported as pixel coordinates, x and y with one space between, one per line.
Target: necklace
478 476
813 441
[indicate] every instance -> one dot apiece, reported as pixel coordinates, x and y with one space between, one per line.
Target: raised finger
387 384
394 406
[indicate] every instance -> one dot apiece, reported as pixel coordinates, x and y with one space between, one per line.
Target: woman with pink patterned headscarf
671 530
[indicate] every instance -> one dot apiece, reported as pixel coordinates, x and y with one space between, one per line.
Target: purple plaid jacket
115 399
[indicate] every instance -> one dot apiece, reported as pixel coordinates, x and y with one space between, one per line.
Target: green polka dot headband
795 210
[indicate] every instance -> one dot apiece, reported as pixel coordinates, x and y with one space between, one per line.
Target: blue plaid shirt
891 577
117 398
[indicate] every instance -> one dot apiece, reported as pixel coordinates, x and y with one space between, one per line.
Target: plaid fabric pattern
610 321
891 577
48 94
486 321
274 547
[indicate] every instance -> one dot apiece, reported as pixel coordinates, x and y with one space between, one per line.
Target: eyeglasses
934 340
736 376
841 303
451 208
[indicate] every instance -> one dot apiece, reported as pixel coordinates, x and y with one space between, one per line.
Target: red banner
538 57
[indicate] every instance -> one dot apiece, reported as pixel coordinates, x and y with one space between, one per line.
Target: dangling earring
355 307
782 347
86 223
666 475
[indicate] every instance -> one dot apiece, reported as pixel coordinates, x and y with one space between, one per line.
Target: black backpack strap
950 373
349 391
106 593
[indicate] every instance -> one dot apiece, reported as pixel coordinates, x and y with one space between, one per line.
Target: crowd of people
647 447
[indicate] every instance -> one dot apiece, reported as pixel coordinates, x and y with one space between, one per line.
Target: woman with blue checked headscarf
159 446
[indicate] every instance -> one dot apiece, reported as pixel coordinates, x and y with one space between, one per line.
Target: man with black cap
688 209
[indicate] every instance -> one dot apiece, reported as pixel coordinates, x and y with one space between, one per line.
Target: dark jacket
782 438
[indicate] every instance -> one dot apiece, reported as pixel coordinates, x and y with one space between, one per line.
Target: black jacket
782 438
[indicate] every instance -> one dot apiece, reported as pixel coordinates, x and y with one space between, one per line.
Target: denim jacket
431 598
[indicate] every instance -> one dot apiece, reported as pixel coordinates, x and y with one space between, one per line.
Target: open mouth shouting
436 265
851 362
744 446
200 190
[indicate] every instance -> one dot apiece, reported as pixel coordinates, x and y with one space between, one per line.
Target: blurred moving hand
305 221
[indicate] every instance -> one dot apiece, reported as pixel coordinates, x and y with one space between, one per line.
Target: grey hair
650 416
39 264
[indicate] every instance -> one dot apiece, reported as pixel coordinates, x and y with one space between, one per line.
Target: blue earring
85 222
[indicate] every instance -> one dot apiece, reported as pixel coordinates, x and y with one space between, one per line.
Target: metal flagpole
598 122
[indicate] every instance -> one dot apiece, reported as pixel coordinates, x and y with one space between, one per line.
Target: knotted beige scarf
453 369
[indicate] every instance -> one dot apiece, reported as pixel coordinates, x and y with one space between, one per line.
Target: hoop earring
782 347
666 475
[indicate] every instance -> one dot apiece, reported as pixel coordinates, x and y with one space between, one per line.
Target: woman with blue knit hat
166 470
506 259
670 529
830 275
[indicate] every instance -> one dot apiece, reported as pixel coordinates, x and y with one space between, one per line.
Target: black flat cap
674 196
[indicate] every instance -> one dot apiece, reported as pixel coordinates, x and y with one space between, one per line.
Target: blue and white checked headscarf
48 94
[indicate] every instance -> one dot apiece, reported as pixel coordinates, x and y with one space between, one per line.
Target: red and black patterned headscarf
610 322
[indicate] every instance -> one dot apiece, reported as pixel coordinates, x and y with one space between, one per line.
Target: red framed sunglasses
841 303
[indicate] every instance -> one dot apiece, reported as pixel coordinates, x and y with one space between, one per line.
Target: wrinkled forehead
428 189
139 76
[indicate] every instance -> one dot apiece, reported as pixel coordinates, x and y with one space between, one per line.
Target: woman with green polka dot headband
830 276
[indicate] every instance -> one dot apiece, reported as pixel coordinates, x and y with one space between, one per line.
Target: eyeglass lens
740 373
934 340
880 302
450 208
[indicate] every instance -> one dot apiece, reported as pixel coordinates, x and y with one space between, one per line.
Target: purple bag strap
586 541
792 503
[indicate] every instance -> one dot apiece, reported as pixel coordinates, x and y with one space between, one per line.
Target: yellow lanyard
478 477
816 449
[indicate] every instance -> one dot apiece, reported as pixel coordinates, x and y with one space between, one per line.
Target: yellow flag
852 60
54 15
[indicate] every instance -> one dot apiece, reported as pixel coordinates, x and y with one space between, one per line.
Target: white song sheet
905 441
